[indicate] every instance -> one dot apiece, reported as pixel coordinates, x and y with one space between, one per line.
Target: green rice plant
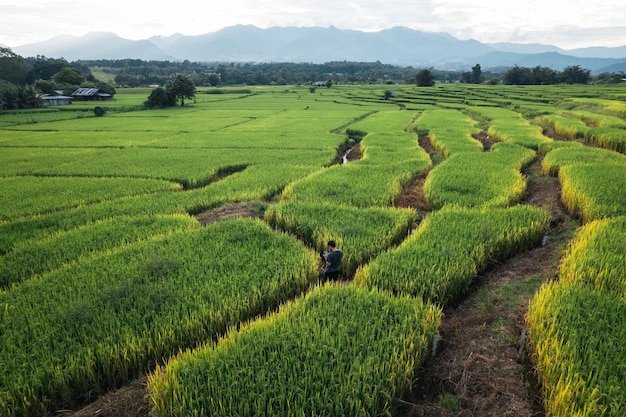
53 252
485 179
390 163
253 183
338 351
577 336
544 148
594 190
596 256
362 233
510 126
566 126
595 119
190 167
27 195
385 122
391 148
451 246
608 138
78 331
570 155
613 105
354 184
603 130
449 131
10 119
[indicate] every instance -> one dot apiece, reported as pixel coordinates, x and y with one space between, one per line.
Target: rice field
106 273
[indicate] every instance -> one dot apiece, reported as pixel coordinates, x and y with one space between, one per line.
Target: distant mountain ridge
397 46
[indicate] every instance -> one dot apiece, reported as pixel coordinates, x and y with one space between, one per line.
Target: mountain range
397 46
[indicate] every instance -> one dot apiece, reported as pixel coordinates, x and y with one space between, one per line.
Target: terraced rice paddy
106 273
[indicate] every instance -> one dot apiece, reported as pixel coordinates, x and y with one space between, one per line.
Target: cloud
567 25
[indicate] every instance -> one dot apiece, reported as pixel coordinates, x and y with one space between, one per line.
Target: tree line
23 79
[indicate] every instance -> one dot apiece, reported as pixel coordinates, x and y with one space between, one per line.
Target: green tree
17 96
105 87
12 67
45 86
544 75
575 75
182 87
477 74
43 68
517 75
69 76
425 78
473 77
610 78
214 79
159 98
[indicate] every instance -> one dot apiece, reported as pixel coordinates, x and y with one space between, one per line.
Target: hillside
397 46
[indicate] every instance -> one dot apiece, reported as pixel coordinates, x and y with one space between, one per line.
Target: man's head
331 244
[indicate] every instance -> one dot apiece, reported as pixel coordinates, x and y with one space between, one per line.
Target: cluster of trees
180 88
23 79
134 72
545 76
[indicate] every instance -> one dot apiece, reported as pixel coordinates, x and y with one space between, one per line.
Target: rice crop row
339 351
485 179
385 121
29 195
594 190
591 179
566 126
577 335
610 137
10 119
510 126
615 107
76 332
255 182
44 255
357 184
595 257
567 153
449 131
190 167
391 160
362 233
576 324
439 261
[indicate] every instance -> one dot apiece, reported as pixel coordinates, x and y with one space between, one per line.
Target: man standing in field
332 258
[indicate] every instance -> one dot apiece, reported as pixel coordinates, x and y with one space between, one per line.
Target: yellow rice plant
594 190
597 256
577 335
338 351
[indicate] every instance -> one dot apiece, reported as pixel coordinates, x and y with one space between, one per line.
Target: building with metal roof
86 93
55 100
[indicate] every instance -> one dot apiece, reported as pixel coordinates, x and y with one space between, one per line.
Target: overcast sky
564 23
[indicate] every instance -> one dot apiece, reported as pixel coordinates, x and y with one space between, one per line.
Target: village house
90 94
55 100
